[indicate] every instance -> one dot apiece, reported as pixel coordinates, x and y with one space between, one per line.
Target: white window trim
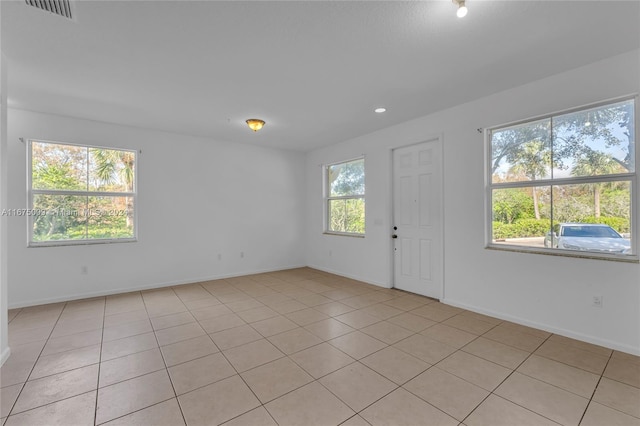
628 177
327 198
31 192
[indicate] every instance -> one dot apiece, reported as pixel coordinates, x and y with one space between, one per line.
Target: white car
587 237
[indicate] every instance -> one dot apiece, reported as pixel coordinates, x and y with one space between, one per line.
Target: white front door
417 216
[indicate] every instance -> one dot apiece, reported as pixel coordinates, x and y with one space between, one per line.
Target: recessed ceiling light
380 110
462 8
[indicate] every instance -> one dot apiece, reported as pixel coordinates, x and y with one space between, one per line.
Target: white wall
197 198
549 292
4 338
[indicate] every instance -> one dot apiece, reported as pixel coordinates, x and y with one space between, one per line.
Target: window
344 195
80 194
566 183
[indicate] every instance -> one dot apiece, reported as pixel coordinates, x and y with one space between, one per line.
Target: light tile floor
301 347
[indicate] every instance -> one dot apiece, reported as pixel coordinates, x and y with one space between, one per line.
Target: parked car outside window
587 237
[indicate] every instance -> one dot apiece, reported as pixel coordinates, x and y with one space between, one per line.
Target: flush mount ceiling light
462 8
255 124
380 110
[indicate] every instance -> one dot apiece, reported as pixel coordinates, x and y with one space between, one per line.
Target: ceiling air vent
57 7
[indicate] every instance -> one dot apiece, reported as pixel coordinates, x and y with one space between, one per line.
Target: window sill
343 234
565 253
80 243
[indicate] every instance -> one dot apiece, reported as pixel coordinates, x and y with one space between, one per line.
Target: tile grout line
595 389
435 365
175 394
232 366
358 361
285 356
138 410
506 378
24 384
357 413
95 412
457 350
239 375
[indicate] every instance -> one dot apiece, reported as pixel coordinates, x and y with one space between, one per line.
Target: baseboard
353 277
5 355
546 327
88 295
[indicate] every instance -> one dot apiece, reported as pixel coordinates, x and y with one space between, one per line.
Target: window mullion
346 197
83 193
552 141
578 180
86 218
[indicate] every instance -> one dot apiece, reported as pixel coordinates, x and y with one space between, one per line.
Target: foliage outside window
80 194
344 195
566 172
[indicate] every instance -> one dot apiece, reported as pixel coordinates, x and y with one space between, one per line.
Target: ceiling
313 70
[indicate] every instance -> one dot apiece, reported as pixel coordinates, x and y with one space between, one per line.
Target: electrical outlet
241 254
219 256
330 253
84 270
597 301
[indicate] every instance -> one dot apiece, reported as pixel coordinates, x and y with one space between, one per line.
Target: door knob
394 236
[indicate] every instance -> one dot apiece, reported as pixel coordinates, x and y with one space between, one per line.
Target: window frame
631 177
327 198
89 241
